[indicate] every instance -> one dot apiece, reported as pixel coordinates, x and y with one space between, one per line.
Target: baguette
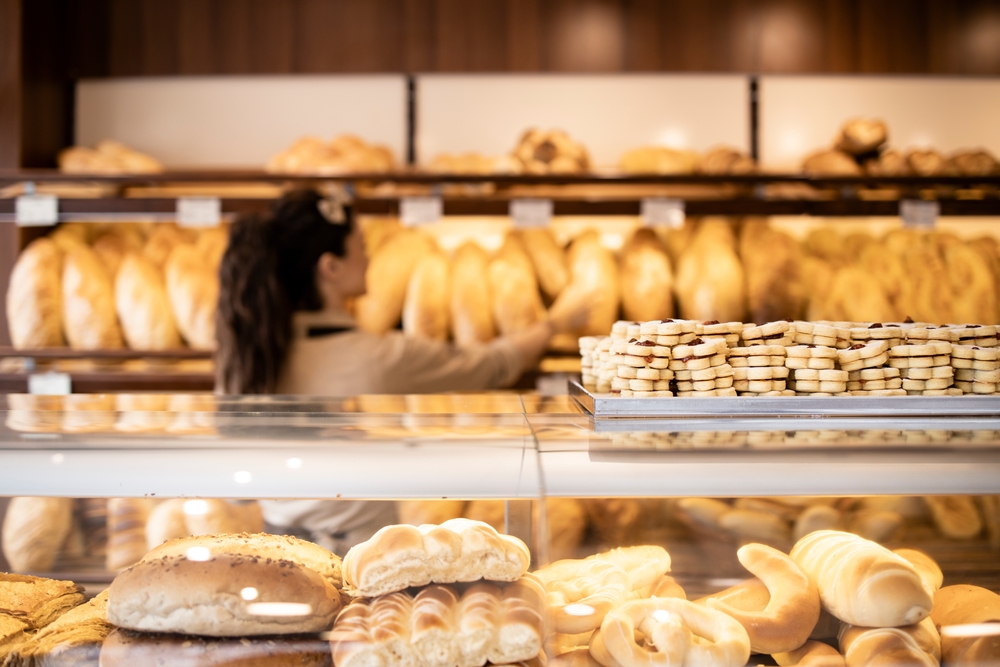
471 300
425 310
89 303
34 297
861 582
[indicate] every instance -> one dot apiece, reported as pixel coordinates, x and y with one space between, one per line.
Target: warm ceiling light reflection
249 593
195 507
279 609
242 477
579 609
198 553
971 630
293 463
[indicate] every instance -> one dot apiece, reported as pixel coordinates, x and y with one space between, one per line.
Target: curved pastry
910 646
681 632
811 654
792 610
644 565
580 593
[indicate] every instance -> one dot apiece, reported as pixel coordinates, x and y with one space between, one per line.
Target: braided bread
458 550
441 626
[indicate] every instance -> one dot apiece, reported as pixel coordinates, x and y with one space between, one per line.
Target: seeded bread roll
124 648
399 556
34 297
229 586
861 582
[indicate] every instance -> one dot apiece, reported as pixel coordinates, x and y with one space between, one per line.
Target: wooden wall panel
10 83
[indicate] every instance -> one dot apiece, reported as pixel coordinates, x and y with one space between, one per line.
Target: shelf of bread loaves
460 593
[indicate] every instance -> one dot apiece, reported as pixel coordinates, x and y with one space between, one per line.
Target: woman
282 328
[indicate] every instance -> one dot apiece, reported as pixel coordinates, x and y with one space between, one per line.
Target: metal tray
607 406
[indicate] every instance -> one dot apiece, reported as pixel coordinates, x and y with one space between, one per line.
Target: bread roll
193 290
831 163
909 646
955 516
861 582
862 135
425 311
516 301
811 654
889 163
142 413
34 531
387 279
34 297
89 303
72 640
224 516
646 279
548 259
724 160
593 269
398 557
124 648
471 299
199 585
967 605
126 531
975 163
143 306
166 522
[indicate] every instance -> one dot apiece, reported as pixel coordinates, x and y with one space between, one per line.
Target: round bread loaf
124 648
229 585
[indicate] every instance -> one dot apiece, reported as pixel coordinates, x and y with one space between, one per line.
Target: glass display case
92 482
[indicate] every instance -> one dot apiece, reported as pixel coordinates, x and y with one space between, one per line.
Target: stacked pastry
713 330
589 367
701 369
643 367
820 334
866 362
29 605
412 607
977 369
925 368
224 595
892 334
760 370
979 335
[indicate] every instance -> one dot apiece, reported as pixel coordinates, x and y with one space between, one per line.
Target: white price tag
663 212
36 210
919 212
531 212
52 384
199 211
414 211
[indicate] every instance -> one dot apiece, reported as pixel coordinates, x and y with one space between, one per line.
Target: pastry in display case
108 158
344 154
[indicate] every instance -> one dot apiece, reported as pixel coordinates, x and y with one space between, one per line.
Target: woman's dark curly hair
267 273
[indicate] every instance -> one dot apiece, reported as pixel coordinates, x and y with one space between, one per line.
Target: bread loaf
163 240
967 605
710 282
112 247
212 244
831 163
88 303
34 532
425 311
34 297
547 258
647 280
387 279
565 518
166 522
955 516
862 135
126 531
193 290
125 648
72 640
793 607
516 301
88 413
916 645
34 413
471 300
229 586
593 269
724 160
398 557
143 306
142 413
861 582
440 625
926 567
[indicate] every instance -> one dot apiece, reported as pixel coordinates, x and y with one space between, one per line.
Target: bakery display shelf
416 176
603 406
83 210
116 355
98 381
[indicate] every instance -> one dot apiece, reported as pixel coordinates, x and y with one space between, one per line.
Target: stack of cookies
819 333
588 359
890 333
714 330
980 335
759 370
813 370
641 368
977 369
925 368
772 333
883 381
700 369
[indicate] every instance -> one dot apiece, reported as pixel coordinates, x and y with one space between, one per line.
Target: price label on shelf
657 212
415 211
531 212
199 211
50 384
36 210
919 212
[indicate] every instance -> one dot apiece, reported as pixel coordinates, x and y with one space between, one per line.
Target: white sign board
415 211
531 212
658 212
51 384
199 211
36 210
919 213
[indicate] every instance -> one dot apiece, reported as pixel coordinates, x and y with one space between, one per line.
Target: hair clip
332 207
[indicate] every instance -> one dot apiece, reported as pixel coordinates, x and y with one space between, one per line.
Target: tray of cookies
687 368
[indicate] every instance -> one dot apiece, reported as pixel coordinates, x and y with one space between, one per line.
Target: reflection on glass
279 609
249 593
579 610
195 507
971 630
198 553
242 477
